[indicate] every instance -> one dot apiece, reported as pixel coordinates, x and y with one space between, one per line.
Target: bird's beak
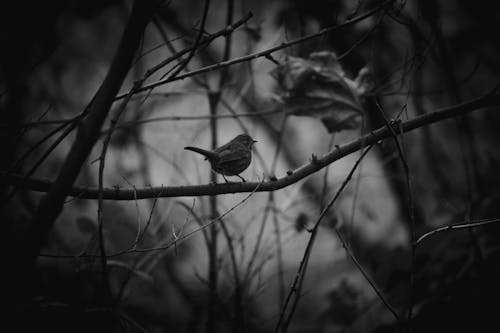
254 141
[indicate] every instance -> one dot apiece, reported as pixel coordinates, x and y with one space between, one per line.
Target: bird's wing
229 155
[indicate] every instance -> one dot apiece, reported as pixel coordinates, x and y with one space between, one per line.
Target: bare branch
490 100
175 242
265 53
301 271
88 133
463 225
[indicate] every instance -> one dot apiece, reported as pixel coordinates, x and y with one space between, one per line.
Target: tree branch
490 100
266 53
89 131
463 225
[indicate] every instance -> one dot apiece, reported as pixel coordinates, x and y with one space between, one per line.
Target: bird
230 159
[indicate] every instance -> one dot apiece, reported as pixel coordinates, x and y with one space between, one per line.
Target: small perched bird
230 159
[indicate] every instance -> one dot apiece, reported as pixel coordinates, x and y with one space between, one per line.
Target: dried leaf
318 87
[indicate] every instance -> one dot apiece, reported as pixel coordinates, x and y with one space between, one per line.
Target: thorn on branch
495 90
395 125
96 160
272 59
235 25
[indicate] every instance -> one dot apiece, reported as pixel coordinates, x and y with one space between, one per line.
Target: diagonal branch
266 53
462 225
487 101
89 131
296 286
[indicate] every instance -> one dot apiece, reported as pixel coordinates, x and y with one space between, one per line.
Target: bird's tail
208 154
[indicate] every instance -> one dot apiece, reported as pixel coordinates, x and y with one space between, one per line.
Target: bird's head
245 140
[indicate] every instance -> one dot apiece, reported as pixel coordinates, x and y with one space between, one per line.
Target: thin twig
72 125
197 218
228 30
265 53
189 118
366 276
459 226
52 204
362 39
138 122
411 208
100 219
176 241
302 266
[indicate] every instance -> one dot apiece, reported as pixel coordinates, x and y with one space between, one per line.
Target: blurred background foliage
421 56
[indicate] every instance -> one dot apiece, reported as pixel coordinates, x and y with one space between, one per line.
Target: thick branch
89 131
490 100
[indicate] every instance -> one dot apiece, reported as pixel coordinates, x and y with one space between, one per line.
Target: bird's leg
225 178
242 179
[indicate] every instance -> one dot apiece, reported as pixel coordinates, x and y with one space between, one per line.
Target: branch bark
487 101
89 130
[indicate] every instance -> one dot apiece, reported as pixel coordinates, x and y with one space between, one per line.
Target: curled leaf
318 87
